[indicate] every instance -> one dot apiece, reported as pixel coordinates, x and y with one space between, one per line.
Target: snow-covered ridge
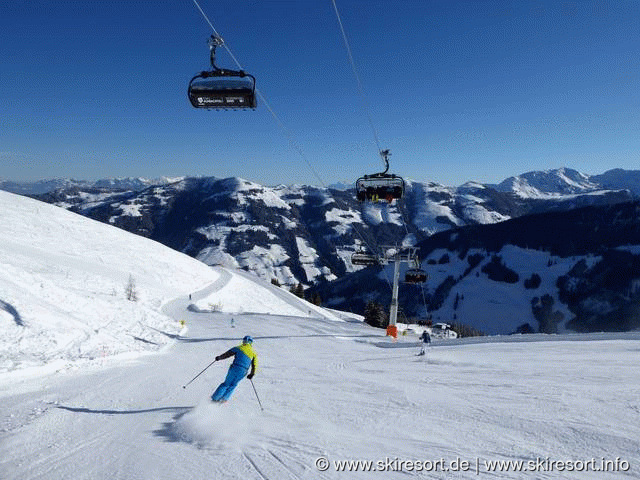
550 183
566 182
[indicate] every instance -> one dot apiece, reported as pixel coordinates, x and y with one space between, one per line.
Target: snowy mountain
302 234
575 270
565 182
306 235
332 396
619 179
111 185
289 233
549 183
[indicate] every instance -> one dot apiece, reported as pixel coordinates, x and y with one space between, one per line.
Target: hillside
558 271
306 235
64 282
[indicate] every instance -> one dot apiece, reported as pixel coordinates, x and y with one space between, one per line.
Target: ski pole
256 392
185 386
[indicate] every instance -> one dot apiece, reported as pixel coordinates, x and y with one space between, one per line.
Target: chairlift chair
221 88
364 259
415 275
381 186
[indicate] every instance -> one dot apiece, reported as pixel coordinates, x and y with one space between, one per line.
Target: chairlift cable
235 60
365 102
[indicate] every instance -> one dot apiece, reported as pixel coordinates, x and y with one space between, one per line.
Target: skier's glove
250 376
217 358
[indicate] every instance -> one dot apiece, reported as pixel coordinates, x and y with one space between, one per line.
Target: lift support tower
396 255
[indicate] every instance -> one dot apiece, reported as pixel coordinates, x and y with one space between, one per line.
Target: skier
245 360
426 341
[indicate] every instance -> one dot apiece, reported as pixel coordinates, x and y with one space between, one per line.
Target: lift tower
396 255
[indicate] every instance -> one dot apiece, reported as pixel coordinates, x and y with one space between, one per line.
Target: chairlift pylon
221 88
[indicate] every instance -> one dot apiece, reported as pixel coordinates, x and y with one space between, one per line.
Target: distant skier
426 341
245 360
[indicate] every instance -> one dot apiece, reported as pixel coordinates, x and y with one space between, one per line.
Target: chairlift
381 186
220 88
364 259
415 275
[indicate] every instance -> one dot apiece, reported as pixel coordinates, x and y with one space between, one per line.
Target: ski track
329 390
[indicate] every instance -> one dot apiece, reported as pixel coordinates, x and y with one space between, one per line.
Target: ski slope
332 388
329 391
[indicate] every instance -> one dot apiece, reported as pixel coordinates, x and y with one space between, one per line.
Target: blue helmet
247 339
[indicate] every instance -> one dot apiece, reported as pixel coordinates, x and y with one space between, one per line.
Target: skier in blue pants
245 360
426 342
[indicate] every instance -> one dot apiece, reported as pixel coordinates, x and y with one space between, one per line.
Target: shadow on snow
180 410
10 309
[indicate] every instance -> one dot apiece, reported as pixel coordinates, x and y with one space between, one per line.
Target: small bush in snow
216 307
130 291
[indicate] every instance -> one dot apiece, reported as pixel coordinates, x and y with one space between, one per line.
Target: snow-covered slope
64 280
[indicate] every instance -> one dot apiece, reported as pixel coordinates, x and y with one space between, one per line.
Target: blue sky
458 91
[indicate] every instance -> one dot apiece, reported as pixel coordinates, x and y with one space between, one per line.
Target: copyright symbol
322 464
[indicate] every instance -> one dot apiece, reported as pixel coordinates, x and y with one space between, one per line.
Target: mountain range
306 235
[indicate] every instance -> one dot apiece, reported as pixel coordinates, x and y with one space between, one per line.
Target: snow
381 212
478 214
217 256
308 257
130 209
267 263
429 213
246 189
344 218
331 387
239 295
64 278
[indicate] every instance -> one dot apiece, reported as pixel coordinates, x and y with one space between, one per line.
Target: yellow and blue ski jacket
244 357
